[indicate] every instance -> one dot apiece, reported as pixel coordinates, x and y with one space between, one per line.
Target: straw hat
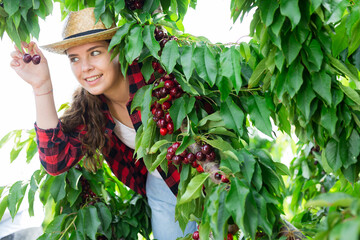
80 28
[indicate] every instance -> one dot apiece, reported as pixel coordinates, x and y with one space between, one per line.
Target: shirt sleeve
58 151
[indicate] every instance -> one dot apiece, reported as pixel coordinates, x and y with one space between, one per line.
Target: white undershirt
127 136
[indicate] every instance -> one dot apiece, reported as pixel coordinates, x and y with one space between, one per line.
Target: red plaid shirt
59 151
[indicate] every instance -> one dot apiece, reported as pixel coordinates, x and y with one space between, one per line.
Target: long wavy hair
85 113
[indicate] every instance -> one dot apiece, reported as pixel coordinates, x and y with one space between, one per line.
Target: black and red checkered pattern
59 151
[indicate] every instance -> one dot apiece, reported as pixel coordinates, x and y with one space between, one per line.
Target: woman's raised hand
37 75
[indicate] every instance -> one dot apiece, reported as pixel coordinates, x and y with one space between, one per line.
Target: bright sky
210 19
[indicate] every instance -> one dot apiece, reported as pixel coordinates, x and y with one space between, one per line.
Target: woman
99 117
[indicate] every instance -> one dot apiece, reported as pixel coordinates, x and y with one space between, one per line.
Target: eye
74 59
95 53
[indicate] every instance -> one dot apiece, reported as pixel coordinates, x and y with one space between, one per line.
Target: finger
20 51
16 55
14 63
38 51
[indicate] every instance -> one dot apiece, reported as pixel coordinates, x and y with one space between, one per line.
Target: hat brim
62 46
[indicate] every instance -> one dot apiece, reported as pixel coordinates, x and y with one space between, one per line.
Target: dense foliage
298 74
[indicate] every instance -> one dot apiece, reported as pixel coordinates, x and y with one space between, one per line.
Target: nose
86 65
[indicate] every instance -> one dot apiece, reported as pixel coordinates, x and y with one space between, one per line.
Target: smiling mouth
91 79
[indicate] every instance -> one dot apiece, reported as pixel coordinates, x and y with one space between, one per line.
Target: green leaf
215 117
3 206
354 148
33 188
282 169
120 34
329 119
6 138
104 215
11 6
351 93
268 9
230 66
248 167
304 99
336 154
169 55
205 64
147 70
119 5
222 131
55 225
315 54
134 44
193 189
76 235
291 47
31 150
337 9
260 114
186 142
251 215
154 148
290 9
180 108
342 68
294 78
232 115
339 40
99 8
187 62
159 159
219 143
15 197
57 189
321 83
150 41
277 24
258 74
73 176
92 222
334 199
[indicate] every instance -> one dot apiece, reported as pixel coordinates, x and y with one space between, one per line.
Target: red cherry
206 149
166 105
27 58
173 92
168 118
186 160
163 131
138 5
159 113
176 145
160 70
196 235
224 179
194 164
163 92
169 84
200 156
211 156
171 150
161 123
163 42
157 105
217 176
177 159
155 65
153 111
191 157
230 236
170 127
200 169
169 156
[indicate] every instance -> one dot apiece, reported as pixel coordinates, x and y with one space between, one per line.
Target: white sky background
210 19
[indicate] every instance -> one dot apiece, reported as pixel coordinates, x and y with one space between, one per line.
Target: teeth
91 79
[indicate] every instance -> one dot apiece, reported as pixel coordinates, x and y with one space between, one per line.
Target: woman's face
92 66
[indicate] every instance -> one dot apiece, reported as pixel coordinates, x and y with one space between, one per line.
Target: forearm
46 115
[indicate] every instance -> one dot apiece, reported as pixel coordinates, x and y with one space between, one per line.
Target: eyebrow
88 50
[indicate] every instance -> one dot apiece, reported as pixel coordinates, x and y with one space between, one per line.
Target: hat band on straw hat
85 33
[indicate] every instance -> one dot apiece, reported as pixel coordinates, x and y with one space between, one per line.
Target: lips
93 78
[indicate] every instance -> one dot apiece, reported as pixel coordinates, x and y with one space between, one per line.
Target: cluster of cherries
134 4
162 37
170 90
185 157
87 195
28 58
